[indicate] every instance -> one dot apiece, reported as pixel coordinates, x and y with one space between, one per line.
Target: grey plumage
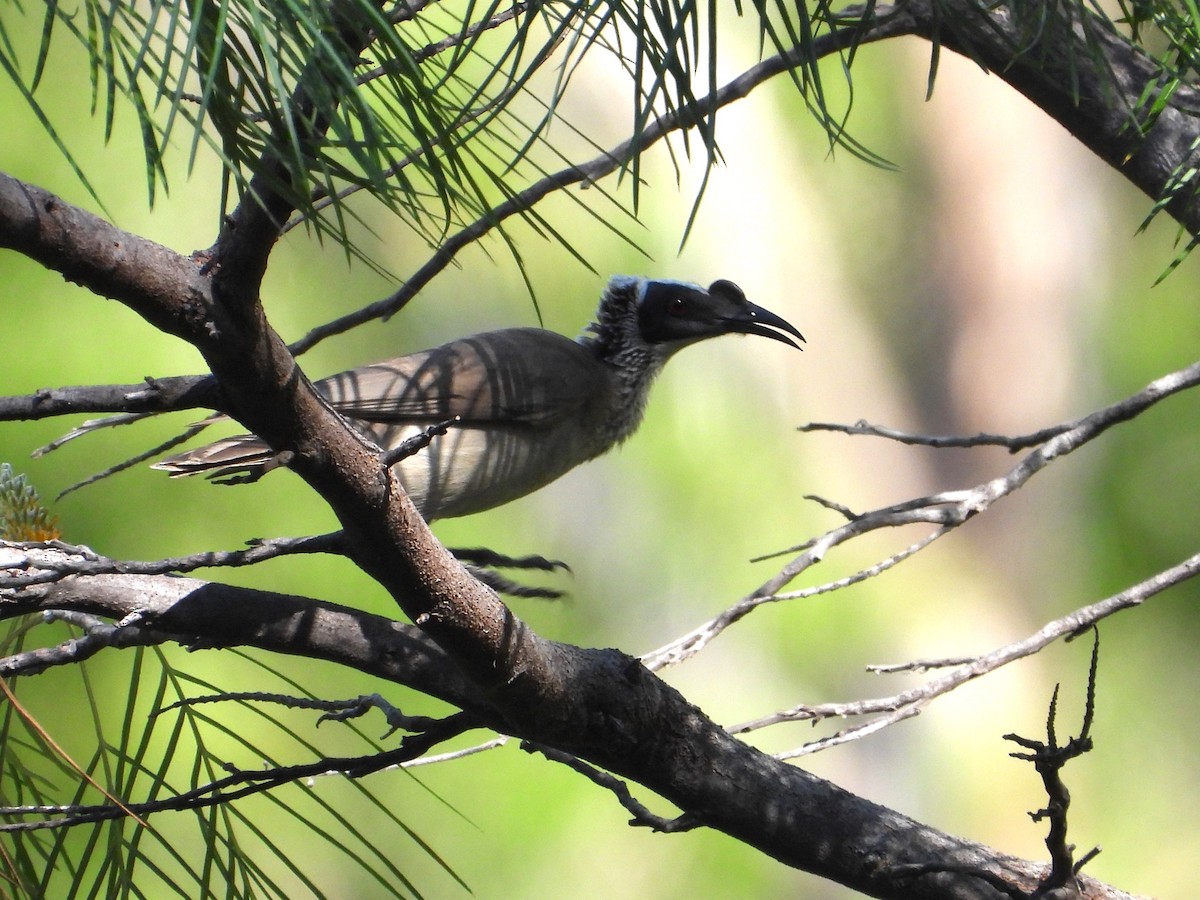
529 404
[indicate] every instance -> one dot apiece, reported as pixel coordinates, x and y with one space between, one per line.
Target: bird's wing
517 375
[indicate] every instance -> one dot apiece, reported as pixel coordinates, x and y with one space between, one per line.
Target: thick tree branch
796 817
240 255
150 396
166 289
1091 80
209 615
599 705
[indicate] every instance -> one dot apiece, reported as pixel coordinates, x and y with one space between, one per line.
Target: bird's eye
677 306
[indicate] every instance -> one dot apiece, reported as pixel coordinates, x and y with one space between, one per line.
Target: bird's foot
482 563
482 556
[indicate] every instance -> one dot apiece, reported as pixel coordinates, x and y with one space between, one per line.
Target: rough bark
469 648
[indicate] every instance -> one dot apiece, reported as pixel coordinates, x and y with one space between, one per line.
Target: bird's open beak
753 319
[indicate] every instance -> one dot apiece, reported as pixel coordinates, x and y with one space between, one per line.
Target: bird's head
672 311
662 316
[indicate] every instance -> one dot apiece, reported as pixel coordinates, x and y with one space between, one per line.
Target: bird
524 405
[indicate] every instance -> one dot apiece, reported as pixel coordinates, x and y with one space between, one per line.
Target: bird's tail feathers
231 456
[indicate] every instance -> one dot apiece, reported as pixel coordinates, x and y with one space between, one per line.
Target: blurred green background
995 281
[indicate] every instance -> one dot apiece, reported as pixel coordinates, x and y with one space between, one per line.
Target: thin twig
31 563
947 510
1012 443
239 784
910 702
183 437
97 635
1131 406
641 813
494 744
1049 758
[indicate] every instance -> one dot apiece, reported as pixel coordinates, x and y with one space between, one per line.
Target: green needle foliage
425 107
153 746
424 119
443 112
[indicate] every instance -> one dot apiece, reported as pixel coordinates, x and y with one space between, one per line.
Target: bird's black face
672 311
